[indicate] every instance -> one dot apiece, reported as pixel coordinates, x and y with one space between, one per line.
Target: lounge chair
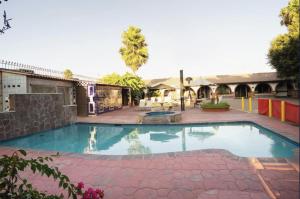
143 106
167 106
155 106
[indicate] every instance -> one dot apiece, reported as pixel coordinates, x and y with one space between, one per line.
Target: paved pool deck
202 174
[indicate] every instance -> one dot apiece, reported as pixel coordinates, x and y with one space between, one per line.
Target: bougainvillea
14 185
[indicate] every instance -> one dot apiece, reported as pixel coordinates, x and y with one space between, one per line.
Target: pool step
278 166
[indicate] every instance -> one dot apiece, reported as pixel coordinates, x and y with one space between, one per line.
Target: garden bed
220 107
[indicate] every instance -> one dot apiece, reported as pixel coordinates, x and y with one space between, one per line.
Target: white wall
12 84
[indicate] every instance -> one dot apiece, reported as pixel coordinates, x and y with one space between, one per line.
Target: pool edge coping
156 155
223 152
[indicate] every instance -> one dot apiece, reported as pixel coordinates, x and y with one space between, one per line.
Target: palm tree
134 51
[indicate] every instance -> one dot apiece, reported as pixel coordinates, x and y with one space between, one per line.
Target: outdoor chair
156 106
167 106
143 106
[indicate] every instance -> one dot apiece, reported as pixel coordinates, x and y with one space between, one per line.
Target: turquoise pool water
159 113
242 139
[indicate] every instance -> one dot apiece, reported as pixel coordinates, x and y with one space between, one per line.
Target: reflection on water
201 133
92 141
278 148
135 145
162 137
244 139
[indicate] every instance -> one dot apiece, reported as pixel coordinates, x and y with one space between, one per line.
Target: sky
202 37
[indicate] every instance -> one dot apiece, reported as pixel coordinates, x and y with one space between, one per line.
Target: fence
279 109
40 70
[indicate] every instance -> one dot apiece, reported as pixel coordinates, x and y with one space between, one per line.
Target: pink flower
86 195
95 195
80 185
100 193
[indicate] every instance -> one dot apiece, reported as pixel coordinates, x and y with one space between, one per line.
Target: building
26 81
93 98
235 86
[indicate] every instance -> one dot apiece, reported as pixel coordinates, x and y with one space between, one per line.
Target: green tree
113 79
133 81
134 51
136 84
68 74
283 54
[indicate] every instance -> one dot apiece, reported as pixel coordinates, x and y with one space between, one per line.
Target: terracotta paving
202 174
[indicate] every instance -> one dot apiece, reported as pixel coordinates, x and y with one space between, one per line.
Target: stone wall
70 114
30 113
1 96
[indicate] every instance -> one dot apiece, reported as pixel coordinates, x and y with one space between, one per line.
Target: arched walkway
263 88
242 90
223 89
204 92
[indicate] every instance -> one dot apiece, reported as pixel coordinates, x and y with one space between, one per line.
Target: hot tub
160 117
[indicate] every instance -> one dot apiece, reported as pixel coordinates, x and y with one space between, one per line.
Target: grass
210 105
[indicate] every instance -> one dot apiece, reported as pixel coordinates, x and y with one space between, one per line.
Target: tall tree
283 54
134 51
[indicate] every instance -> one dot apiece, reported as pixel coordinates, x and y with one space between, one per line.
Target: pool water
159 113
242 139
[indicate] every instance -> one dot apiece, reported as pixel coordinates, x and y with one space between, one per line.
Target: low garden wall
291 111
30 113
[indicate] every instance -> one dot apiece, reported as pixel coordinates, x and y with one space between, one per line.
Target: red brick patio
203 174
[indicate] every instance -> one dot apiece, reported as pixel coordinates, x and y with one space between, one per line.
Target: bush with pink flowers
90 193
13 185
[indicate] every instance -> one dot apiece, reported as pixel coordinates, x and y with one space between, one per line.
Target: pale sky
202 37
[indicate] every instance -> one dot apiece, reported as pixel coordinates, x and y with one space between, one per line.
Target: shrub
12 185
210 105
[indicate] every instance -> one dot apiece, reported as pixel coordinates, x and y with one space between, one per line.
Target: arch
242 90
223 89
263 88
204 92
189 93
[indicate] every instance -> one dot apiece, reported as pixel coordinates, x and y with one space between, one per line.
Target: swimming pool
244 139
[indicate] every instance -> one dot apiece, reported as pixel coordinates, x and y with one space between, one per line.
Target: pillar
250 104
282 111
273 86
232 88
213 88
270 108
243 104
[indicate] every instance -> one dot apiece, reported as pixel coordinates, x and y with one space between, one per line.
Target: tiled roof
34 75
175 83
217 79
244 78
